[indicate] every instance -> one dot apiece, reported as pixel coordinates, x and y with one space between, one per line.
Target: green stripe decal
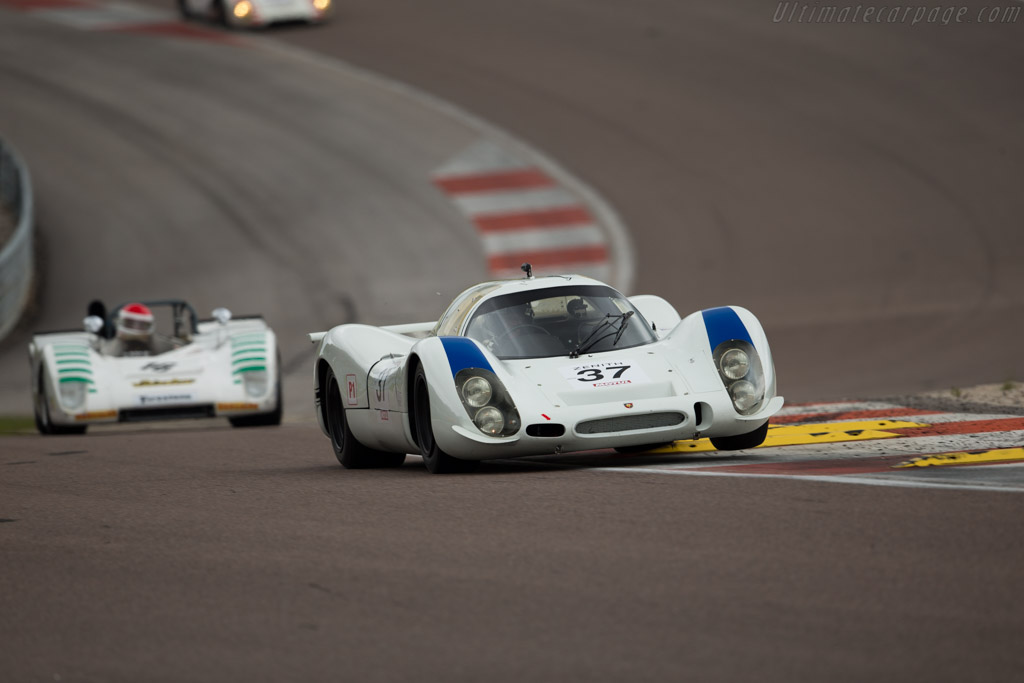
251 368
249 349
75 360
75 379
251 359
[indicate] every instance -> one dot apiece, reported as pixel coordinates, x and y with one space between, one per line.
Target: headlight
476 391
243 9
490 421
72 394
255 383
744 395
321 5
735 364
487 402
740 369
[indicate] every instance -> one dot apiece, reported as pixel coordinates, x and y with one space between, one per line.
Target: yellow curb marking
797 435
965 458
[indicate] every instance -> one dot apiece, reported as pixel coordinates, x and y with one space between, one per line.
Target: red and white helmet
135 321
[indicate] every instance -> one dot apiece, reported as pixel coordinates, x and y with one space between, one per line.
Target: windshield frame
520 298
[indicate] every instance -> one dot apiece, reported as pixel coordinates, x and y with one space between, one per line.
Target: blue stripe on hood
464 353
723 324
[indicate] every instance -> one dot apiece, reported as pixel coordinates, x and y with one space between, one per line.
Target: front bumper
641 423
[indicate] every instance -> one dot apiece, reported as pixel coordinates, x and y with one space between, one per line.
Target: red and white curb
524 214
114 16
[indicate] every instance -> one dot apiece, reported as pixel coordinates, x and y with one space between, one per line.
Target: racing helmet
135 322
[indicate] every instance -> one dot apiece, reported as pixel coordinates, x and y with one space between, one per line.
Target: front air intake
546 429
630 423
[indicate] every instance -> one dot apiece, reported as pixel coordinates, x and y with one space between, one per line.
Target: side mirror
93 323
221 315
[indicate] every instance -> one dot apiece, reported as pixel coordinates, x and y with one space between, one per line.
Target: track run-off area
854 186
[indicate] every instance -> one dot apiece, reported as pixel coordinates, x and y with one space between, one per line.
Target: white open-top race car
541 366
122 368
254 13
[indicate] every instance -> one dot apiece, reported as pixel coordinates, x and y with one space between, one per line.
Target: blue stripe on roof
464 353
723 324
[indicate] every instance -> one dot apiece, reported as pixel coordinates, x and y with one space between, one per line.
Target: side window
451 322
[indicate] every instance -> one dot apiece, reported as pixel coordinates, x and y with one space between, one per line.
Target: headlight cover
487 402
72 393
739 366
255 383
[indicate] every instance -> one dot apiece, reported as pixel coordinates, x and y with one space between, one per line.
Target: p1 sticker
605 373
352 396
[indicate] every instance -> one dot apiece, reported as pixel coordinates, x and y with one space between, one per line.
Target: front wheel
350 453
741 441
436 460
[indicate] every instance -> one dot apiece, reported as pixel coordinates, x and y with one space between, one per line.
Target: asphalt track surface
877 165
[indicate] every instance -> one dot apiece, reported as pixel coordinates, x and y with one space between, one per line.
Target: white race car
540 366
221 367
253 13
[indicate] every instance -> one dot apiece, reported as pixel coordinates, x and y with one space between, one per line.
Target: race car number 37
606 373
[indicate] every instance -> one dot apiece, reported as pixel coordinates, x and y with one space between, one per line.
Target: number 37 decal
594 374
604 374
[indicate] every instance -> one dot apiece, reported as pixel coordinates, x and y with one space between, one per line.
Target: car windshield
558 321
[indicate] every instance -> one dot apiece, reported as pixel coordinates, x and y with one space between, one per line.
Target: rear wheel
741 441
350 453
436 460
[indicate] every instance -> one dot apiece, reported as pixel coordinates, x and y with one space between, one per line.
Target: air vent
630 423
546 429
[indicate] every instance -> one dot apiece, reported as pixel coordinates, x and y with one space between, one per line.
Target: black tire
741 441
220 14
436 460
42 413
350 453
271 419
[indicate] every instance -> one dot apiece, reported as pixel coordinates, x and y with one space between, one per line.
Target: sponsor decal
162 382
153 400
628 405
228 407
97 415
157 367
384 415
605 373
350 384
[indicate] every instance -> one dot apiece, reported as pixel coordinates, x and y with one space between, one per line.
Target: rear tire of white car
436 460
741 441
350 453
42 411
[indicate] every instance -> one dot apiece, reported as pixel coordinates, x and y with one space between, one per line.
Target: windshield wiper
609 319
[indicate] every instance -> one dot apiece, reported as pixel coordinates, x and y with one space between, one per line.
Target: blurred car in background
135 365
254 13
